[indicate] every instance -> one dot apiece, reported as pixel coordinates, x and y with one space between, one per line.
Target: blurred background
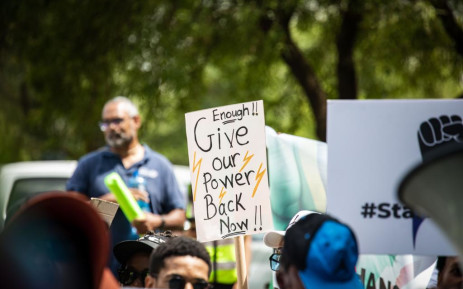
61 60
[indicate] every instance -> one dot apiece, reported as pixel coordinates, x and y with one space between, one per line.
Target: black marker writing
223 208
239 179
236 114
231 138
232 227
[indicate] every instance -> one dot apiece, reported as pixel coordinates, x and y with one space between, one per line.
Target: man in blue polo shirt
125 155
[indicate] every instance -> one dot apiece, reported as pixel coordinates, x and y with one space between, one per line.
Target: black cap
146 244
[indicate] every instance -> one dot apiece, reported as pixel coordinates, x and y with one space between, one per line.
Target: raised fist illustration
437 132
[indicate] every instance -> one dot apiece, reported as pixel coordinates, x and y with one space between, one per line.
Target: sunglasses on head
128 275
275 261
179 282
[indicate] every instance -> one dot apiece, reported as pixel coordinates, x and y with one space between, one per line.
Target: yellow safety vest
223 255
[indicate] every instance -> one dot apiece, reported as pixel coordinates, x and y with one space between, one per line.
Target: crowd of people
58 240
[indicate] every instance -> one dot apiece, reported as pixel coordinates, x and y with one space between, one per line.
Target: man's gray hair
129 106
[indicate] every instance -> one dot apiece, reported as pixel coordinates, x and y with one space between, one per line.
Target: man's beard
118 140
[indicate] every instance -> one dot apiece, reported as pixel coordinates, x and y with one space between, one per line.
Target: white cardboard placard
227 155
372 144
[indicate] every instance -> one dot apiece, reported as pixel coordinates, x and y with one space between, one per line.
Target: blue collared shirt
161 185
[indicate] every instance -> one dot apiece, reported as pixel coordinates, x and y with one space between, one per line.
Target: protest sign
106 209
227 154
395 271
372 145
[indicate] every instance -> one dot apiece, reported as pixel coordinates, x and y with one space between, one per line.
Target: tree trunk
303 73
450 24
347 80
306 77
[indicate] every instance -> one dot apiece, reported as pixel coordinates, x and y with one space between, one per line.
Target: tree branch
306 77
302 71
449 22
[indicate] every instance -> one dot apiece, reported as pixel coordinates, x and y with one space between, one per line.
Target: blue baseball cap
324 251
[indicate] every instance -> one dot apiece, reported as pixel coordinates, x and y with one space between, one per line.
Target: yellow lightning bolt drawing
198 166
246 159
221 195
259 177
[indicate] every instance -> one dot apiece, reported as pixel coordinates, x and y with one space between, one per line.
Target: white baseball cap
274 239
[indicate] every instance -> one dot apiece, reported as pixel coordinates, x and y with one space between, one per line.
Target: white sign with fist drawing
372 144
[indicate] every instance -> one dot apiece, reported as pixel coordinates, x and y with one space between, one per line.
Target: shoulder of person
154 155
94 155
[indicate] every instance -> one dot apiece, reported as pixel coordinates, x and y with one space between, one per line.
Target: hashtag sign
368 210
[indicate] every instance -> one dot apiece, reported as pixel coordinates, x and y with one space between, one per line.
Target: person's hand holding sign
142 221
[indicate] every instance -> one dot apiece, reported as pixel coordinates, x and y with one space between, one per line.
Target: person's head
56 240
449 276
179 263
275 239
319 252
134 258
120 122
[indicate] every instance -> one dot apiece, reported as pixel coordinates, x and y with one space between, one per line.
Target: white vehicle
19 181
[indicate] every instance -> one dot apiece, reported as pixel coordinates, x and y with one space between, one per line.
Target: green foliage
61 60
405 53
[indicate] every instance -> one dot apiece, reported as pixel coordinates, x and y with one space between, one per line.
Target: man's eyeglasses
275 261
128 275
179 282
104 124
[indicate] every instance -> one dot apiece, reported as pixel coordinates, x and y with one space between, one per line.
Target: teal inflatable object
297 169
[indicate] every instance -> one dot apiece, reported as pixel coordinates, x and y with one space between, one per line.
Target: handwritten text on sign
226 147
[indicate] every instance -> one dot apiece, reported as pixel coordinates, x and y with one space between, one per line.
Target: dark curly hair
177 246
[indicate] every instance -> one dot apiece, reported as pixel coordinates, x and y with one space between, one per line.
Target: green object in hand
124 197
